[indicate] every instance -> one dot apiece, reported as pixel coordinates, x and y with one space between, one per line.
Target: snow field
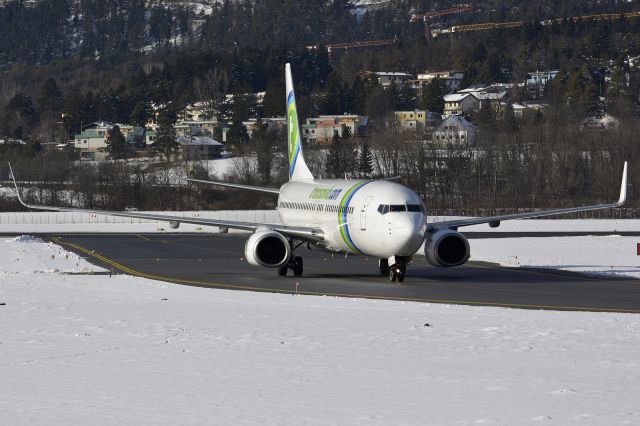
79 349
95 349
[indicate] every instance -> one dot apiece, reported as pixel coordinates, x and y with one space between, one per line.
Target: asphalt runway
216 260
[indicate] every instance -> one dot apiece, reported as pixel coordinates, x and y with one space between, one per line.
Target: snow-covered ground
609 255
79 349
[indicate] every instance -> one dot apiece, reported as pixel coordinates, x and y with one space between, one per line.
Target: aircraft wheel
282 271
401 270
298 266
392 275
384 267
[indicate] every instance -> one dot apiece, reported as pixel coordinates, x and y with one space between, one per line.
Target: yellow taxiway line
136 273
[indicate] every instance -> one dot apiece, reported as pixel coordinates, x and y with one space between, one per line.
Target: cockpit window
413 208
416 208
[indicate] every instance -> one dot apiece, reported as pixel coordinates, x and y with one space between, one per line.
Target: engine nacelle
446 248
267 248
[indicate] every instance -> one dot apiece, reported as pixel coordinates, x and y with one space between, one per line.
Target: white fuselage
370 217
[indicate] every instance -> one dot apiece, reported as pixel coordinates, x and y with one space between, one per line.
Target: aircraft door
363 213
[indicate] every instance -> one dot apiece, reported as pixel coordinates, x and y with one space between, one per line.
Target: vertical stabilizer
298 169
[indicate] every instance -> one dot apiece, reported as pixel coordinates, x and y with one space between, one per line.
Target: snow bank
609 255
124 350
25 239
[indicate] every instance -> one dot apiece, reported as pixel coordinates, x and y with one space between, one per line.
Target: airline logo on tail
298 169
294 136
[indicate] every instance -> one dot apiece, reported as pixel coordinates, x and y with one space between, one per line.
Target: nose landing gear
396 271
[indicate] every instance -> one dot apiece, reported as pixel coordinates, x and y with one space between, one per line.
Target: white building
387 79
452 79
460 103
455 129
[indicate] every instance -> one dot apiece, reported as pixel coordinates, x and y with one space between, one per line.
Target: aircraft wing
494 221
301 233
263 189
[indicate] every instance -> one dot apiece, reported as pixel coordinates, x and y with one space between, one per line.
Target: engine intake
267 248
446 248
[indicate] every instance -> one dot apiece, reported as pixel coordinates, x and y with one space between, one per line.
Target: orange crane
353 44
548 22
426 17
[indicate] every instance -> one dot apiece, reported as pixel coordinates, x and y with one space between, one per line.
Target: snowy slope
112 351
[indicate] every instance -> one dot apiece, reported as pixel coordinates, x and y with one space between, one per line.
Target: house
599 121
522 109
387 79
493 98
92 140
322 129
276 125
452 79
417 120
460 103
455 129
196 148
200 127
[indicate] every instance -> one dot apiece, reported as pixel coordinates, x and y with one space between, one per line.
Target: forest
123 61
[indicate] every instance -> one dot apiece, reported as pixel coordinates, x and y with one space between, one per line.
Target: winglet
13 178
623 188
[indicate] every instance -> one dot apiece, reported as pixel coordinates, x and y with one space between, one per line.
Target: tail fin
298 169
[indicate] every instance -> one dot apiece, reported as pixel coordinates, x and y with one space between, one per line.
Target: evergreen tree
20 116
339 158
166 142
333 165
432 98
50 98
273 104
237 135
263 146
140 114
365 160
116 144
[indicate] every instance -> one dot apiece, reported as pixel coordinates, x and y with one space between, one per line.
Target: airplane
376 218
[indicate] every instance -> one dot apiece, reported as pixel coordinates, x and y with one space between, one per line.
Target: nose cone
408 233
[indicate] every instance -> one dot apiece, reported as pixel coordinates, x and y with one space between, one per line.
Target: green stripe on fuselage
342 216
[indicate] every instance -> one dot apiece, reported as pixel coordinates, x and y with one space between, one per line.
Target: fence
594 214
63 218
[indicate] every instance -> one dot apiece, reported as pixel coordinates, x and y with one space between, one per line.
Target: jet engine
267 248
446 248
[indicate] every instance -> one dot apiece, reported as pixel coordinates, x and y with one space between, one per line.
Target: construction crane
426 17
353 44
548 22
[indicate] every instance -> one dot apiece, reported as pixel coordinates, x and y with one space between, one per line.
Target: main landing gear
396 271
295 264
